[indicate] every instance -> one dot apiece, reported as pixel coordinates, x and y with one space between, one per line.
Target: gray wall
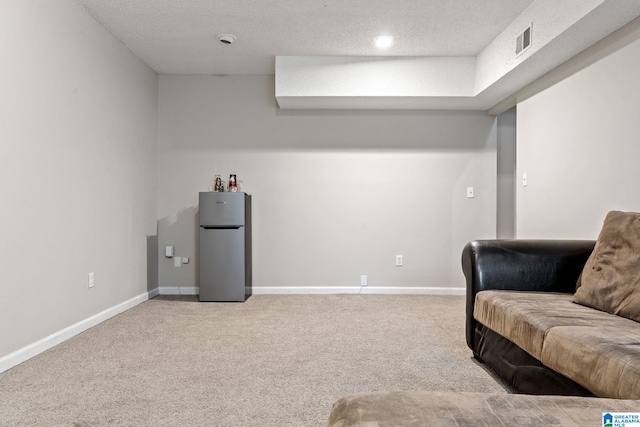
336 194
506 185
78 164
578 144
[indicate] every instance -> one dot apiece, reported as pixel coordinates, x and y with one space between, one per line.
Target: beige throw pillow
610 280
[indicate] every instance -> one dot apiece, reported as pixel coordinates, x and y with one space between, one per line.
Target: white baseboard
324 290
370 290
298 290
412 290
177 290
25 353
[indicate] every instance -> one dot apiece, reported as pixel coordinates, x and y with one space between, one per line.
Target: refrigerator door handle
221 227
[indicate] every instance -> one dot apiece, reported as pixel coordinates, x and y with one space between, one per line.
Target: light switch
470 192
524 179
177 261
168 251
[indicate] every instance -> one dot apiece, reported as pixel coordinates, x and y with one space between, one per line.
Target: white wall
578 144
78 163
336 194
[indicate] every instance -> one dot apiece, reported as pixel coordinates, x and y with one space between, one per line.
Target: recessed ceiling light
383 42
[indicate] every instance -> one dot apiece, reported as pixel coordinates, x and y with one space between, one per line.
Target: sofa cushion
524 318
604 359
610 280
441 408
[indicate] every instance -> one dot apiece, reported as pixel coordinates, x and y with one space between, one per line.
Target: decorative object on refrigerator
218 184
232 183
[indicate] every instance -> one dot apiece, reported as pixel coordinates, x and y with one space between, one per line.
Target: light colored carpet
275 360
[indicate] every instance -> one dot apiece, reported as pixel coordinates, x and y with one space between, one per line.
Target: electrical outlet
398 260
185 260
92 281
168 251
363 280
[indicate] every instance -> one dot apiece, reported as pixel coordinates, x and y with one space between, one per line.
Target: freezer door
222 209
222 264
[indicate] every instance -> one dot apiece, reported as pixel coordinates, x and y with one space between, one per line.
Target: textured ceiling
179 36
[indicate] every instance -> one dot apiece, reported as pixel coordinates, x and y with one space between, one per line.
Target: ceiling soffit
475 83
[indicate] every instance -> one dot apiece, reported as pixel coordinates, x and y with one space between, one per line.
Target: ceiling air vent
523 41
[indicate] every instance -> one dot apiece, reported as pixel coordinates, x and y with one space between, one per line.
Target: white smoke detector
226 38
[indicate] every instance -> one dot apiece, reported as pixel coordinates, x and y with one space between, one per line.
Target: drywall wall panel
506 180
78 163
361 76
578 145
336 194
550 20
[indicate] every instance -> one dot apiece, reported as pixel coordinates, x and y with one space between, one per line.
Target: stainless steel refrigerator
225 246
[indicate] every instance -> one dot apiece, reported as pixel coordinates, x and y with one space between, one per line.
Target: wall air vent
523 41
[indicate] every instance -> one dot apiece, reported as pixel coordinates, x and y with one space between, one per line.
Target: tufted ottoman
435 408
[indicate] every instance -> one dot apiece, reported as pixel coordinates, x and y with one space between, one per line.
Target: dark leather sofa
521 265
524 290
